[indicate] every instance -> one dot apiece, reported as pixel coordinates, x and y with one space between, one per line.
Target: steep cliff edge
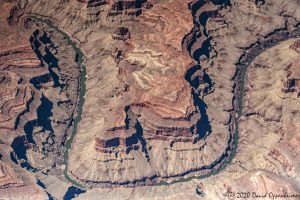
164 95
39 90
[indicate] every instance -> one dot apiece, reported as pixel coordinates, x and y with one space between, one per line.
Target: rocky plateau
149 99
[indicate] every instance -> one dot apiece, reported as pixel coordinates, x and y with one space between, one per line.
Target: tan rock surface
149 120
16 184
28 96
266 159
163 79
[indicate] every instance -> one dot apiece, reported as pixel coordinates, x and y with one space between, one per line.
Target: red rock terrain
17 61
33 126
163 97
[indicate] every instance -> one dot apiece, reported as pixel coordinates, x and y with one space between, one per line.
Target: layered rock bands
170 86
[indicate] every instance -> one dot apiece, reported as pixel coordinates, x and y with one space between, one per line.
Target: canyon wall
163 97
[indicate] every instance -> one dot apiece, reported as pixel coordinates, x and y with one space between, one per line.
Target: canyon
148 99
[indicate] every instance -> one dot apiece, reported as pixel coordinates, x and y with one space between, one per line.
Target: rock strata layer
174 89
148 92
39 78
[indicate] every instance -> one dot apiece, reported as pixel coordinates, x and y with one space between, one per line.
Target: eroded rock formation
162 97
38 100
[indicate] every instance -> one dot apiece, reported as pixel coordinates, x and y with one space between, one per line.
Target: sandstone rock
162 100
13 185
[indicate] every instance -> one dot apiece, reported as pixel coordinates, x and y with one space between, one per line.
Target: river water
230 152
80 59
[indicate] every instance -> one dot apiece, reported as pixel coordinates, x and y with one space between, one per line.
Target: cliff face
147 91
39 89
275 117
162 92
146 86
18 63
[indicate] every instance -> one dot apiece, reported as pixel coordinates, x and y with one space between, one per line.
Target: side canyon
149 99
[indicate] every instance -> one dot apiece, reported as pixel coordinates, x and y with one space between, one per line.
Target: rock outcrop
39 79
266 157
157 98
18 185
174 89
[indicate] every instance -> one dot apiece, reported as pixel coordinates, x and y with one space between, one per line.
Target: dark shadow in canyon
73 192
21 143
46 56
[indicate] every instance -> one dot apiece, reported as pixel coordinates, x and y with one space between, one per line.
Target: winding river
245 61
252 52
80 101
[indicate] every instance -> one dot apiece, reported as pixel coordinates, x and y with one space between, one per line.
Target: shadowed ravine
245 61
202 127
203 123
80 102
